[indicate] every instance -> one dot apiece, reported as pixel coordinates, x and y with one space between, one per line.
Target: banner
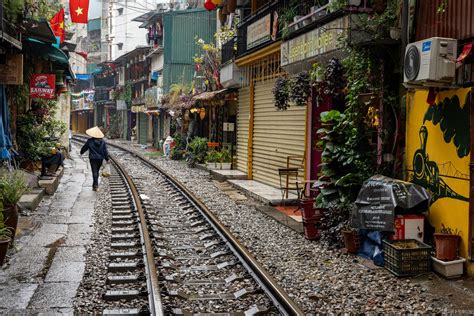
43 86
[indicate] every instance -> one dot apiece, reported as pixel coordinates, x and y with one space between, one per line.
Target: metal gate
243 116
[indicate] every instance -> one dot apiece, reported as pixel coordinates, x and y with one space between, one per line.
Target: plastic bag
106 170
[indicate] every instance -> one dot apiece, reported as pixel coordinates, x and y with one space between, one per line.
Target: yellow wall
449 156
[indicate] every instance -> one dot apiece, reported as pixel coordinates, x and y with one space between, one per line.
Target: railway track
171 255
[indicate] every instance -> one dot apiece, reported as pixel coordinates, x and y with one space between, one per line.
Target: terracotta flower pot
10 213
447 246
351 240
3 249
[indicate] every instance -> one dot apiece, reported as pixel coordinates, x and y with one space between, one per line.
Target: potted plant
351 239
212 159
447 243
5 237
225 159
12 187
449 269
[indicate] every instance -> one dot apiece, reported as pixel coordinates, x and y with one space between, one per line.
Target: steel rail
276 293
154 296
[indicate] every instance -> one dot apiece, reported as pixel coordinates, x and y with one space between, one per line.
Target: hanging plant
335 82
301 89
281 93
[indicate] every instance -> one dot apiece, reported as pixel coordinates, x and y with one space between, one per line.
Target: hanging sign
319 41
42 86
11 72
138 108
259 32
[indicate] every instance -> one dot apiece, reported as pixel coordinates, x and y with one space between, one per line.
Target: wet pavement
44 270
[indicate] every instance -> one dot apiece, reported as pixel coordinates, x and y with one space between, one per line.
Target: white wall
123 29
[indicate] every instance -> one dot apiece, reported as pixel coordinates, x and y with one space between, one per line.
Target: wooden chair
289 175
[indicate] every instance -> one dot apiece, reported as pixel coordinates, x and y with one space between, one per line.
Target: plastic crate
406 261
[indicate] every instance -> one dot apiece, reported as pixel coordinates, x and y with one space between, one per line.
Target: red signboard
43 86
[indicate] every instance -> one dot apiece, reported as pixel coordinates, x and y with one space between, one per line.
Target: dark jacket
97 149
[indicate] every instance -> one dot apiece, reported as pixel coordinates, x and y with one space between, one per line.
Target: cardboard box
409 227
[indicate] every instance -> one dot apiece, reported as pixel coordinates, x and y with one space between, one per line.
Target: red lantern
209 5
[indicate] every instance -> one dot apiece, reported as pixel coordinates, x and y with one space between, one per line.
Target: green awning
48 52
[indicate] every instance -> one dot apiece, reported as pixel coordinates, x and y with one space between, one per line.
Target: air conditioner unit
431 62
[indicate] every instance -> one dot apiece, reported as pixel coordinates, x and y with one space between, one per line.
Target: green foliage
378 24
301 89
212 156
281 93
177 153
286 16
5 232
126 94
116 129
197 149
36 128
225 156
12 187
13 9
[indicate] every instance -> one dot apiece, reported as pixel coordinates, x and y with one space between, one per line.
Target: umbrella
5 140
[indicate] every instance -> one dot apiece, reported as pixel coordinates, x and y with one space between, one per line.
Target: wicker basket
407 257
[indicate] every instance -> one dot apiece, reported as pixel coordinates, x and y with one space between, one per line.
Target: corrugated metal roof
206 96
455 22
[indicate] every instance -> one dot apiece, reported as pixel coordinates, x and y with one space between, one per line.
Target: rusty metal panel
455 22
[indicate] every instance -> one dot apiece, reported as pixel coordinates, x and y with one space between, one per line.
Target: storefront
81 120
267 139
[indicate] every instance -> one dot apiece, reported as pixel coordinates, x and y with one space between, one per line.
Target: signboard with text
43 86
259 32
319 41
138 108
11 72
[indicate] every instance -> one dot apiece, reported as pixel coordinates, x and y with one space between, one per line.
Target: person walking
97 153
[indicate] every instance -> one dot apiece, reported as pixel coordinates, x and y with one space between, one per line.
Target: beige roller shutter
276 135
243 128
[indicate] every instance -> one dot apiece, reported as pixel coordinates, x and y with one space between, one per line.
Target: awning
48 52
207 96
152 112
39 30
84 77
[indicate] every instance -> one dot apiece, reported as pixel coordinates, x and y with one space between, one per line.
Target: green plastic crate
406 261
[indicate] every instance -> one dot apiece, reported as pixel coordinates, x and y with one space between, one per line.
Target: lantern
202 113
209 6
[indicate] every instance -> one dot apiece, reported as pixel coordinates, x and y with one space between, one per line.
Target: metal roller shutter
276 135
142 128
243 115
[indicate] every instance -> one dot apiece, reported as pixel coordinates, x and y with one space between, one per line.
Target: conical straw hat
95 132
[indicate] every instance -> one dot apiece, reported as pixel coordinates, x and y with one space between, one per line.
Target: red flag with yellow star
79 10
57 25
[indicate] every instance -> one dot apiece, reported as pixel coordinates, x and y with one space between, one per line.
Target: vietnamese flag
79 10
57 25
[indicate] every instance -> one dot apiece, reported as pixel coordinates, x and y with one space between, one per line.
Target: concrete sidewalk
46 266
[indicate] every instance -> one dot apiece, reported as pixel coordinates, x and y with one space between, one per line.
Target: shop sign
121 105
138 108
228 127
12 71
316 42
259 31
43 86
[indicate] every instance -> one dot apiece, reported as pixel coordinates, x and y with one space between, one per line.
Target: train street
78 253
236 157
